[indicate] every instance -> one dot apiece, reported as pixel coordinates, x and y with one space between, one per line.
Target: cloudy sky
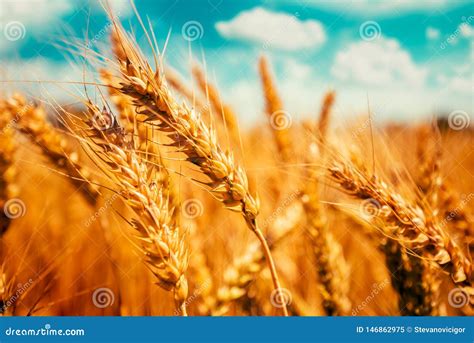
412 59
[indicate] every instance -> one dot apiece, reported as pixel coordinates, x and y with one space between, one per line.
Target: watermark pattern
14 208
21 288
275 214
104 31
452 215
104 120
458 120
103 297
452 38
215 5
196 293
370 30
458 297
107 204
14 30
280 120
192 30
362 127
280 297
11 124
370 208
376 289
192 208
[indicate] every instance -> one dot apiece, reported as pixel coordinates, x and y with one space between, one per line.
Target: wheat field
149 199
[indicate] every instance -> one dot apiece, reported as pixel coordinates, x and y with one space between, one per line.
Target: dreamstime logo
14 208
280 297
196 293
102 32
458 297
14 30
280 211
376 289
370 207
453 37
104 120
17 117
21 288
458 120
280 120
370 30
192 30
103 297
108 203
361 129
454 214
192 208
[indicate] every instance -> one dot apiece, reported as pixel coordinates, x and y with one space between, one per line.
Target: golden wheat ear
244 270
437 195
5 293
141 185
277 117
406 222
8 171
331 266
33 122
191 136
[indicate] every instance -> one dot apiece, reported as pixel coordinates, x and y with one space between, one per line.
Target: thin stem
271 266
184 313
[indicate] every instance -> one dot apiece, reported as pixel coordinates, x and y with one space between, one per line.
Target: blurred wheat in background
148 198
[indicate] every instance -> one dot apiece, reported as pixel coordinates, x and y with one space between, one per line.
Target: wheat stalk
142 134
406 223
212 94
273 108
8 171
122 103
244 269
4 292
325 115
332 268
8 294
414 279
190 135
438 193
199 271
32 121
143 190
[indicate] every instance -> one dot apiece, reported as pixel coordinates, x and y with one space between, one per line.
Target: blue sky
412 58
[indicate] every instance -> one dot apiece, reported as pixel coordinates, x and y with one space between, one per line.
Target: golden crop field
147 198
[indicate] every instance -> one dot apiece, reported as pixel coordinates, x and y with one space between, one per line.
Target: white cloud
379 62
34 13
462 84
302 86
466 30
273 29
297 85
297 70
20 19
40 76
432 33
365 8
458 81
